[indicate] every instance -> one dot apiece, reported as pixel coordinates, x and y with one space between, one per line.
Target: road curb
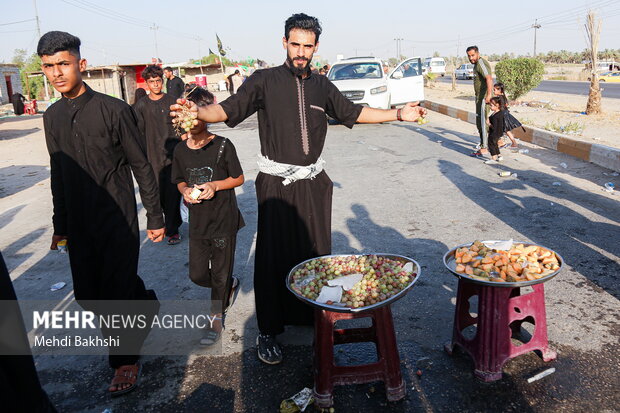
601 155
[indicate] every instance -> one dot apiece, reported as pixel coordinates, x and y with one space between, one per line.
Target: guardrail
598 154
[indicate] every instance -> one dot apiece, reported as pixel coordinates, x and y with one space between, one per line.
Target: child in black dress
496 128
206 170
510 122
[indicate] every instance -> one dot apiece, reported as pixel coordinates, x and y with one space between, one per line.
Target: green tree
519 75
28 64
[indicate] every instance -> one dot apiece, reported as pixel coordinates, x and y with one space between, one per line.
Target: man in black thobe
20 388
160 139
94 145
174 85
18 103
294 193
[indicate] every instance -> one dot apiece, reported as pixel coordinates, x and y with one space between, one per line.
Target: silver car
465 71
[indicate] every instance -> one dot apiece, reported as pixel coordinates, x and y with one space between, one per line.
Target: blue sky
118 31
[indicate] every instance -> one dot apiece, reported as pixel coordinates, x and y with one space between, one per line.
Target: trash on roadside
541 375
438 141
557 184
551 203
505 173
108 410
609 187
58 286
524 151
298 402
418 129
424 363
611 174
515 175
62 246
563 165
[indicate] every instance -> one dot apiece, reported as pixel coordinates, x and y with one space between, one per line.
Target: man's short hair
236 72
474 48
168 68
151 72
303 22
53 42
201 97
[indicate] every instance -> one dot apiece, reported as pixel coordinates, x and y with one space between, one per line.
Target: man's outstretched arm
410 112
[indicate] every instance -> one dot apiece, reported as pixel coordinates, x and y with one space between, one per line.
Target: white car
435 65
363 81
465 71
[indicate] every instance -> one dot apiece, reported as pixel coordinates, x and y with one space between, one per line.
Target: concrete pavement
398 188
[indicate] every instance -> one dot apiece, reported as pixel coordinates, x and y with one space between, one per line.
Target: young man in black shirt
174 85
294 192
161 139
94 145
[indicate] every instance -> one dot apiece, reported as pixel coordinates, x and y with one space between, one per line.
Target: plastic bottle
609 187
563 165
524 150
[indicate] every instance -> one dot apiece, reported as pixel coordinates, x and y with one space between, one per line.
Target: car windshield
355 71
436 63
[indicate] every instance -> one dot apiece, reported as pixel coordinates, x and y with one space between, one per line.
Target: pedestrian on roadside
139 94
294 192
235 82
94 145
496 128
160 140
18 103
207 164
19 381
174 84
483 87
510 122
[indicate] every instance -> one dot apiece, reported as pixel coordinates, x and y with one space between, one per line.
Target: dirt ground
548 110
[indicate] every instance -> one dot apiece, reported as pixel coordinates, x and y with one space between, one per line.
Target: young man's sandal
211 336
127 374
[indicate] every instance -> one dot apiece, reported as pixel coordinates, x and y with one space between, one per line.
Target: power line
21 21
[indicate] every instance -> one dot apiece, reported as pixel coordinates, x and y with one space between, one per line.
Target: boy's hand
156 235
208 190
55 240
188 197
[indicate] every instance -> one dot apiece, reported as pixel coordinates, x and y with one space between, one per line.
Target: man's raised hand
184 114
411 112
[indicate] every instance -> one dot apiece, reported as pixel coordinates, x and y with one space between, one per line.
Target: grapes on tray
382 278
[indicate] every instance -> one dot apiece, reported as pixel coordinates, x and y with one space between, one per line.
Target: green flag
219 46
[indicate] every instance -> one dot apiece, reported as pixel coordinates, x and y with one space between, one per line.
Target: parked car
362 80
465 71
435 65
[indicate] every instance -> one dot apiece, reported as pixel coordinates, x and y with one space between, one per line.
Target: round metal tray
416 269
450 263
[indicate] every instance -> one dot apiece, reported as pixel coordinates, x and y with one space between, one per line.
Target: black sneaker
268 349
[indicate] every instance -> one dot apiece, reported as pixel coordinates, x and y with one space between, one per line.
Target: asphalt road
610 90
398 188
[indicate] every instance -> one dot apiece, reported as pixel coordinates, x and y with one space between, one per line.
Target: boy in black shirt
206 170
160 140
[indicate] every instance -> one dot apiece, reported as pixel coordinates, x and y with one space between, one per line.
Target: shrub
519 75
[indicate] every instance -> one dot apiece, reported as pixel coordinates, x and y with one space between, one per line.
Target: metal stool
501 311
387 368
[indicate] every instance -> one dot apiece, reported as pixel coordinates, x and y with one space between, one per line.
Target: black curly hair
152 72
304 22
201 97
53 42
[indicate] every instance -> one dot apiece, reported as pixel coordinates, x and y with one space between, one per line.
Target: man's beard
298 71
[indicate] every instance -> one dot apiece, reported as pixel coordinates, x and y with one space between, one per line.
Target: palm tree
593 32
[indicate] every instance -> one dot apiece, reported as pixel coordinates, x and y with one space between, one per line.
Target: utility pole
36 12
155 27
398 53
535 26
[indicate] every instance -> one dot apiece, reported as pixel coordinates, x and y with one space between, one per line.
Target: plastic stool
387 368
501 311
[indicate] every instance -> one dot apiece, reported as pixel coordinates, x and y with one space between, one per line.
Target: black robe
294 221
94 145
18 103
160 139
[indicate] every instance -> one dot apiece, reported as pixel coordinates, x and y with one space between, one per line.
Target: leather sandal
127 374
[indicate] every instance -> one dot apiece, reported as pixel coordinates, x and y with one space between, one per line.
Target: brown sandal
127 374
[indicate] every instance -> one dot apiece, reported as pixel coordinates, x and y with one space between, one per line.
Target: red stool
387 368
501 311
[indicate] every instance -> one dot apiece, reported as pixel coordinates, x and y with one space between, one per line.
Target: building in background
10 82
